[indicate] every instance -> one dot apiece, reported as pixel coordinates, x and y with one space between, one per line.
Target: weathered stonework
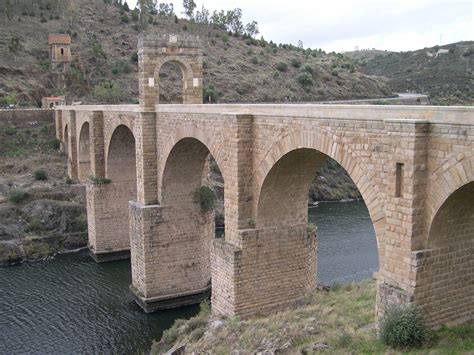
413 165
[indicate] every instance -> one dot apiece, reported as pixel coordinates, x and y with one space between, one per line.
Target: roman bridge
413 165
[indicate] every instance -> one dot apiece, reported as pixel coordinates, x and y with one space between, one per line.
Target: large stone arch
445 277
212 143
454 173
83 152
319 142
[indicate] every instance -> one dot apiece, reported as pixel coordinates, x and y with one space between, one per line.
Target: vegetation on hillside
238 66
336 322
445 72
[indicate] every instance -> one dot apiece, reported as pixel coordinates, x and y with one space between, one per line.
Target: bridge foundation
108 222
170 255
272 269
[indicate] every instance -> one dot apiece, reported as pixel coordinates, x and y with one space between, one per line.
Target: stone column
72 147
406 194
59 126
97 145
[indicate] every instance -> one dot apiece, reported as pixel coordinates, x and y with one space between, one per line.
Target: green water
72 305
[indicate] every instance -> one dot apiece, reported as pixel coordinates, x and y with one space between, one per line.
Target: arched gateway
413 166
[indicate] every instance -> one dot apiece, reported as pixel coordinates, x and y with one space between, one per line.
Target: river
72 305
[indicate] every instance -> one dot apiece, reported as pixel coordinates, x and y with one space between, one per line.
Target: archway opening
445 285
190 178
121 162
171 77
122 187
307 188
84 166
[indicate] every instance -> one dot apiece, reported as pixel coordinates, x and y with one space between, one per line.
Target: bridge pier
271 269
170 255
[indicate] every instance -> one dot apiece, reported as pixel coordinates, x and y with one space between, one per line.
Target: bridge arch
445 283
311 149
190 226
84 159
121 160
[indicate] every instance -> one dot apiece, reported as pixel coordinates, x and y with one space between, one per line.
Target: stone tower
154 51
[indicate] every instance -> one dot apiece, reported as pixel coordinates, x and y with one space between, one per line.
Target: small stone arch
186 73
121 159
83 156
319 142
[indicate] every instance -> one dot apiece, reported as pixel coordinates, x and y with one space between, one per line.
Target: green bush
121 66
307 68
124 18
54 144
281 66
404 327
210 91
305 79
295 63
40 175
205 197
254 60
134 57
17 196
68 180
108 91
99 181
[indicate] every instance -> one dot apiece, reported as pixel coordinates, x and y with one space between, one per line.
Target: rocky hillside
446 72
236 69
40 213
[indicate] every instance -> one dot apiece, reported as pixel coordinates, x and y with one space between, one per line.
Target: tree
203 15
108 91
9 9
234 21
165 9
252 29
125 6
189 6
300 44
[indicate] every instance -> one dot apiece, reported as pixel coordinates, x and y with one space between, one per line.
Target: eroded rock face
12 225
55 216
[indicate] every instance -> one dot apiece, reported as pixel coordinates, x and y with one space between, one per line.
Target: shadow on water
71 304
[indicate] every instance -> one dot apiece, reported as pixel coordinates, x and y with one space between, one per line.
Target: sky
345 25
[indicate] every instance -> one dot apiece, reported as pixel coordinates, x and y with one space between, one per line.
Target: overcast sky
341 25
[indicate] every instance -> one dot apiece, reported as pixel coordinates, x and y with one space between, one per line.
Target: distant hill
446 72
236 69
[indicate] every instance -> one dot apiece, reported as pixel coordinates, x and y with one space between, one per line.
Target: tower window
399 179
62 51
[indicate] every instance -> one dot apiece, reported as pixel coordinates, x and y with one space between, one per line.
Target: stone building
59 48
53 101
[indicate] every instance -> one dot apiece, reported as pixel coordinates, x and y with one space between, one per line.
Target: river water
72 305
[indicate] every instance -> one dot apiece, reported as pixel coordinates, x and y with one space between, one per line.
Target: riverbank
338 321
41 212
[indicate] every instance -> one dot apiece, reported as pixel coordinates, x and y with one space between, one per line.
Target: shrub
54 143
210 91
68 180
121 66
124 18
134 57
99 181
254 60
17 196
205 197
404 327
305 79
307 68
108 91
281 66
311 229
40 175
295 63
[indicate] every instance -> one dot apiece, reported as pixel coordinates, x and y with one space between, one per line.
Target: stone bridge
413 165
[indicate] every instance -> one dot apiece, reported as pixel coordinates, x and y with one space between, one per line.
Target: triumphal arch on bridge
413 165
